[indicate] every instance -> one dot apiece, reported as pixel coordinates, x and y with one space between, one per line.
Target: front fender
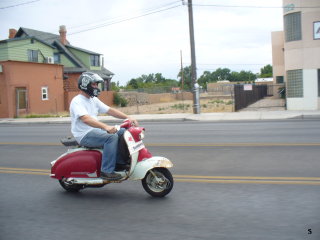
144 166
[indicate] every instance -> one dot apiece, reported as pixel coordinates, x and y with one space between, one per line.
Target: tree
205 78
159 79
246 76
115 86
133 83
222 74
151 81
187 79
218 75
266 71
226 74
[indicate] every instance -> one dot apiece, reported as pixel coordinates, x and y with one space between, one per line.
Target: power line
107 24
19 4
212 69
126 16
239 6
232 63
124 20
215 66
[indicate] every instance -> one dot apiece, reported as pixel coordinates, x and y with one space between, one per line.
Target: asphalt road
233 180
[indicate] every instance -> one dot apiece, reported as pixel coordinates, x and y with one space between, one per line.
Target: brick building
39 72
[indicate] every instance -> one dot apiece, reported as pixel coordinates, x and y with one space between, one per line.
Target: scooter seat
69 141
72 142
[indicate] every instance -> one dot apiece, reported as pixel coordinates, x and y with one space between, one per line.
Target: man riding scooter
89 131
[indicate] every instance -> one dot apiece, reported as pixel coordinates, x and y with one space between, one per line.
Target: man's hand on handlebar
111 129
134 122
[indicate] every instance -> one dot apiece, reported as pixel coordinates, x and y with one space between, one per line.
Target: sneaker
110 176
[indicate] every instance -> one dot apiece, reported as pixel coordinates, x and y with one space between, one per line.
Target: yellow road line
230 144
182 144
199 179
31 143
23 172
249 182
248 177
24 169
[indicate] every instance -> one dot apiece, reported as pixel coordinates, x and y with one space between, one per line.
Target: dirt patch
207 105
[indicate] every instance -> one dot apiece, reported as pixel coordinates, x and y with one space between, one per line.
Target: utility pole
195 90
182 75
182 79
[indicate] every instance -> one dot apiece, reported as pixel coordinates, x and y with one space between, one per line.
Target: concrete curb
230 116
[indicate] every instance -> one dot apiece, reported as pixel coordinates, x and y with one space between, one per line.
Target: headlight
141 135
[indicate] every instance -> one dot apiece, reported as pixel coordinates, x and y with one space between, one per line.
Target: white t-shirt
80 106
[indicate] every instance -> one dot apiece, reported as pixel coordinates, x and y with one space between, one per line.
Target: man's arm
118 114
87 119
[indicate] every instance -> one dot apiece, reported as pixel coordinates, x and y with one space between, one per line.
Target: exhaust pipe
89 181
86 181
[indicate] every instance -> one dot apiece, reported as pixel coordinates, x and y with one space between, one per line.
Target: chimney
63 34
12 32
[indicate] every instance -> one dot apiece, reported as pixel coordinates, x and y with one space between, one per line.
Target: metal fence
245 95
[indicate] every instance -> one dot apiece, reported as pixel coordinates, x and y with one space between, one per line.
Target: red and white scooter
79 167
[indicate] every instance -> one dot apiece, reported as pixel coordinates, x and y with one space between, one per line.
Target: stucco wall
277 54
32 76
309 101
304 54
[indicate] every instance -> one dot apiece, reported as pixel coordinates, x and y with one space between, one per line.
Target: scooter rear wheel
70 187
158 182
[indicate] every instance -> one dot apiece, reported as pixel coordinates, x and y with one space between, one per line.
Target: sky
139 37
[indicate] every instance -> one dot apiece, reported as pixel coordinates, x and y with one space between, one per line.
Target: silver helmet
84 83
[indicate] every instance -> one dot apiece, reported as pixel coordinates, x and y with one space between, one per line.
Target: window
318 82
279 79
33 55
44 93
56 57
292 27
95 60
316 30
294 83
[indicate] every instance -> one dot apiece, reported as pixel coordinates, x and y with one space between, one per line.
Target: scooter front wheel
158 182
70 187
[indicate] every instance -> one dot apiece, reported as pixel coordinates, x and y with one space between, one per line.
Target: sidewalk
229 116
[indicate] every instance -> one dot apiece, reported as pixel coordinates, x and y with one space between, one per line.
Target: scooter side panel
84 164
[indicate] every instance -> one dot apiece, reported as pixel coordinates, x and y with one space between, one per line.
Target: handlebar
127 124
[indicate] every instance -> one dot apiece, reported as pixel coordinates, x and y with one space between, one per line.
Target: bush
181 106
217 101
119 100
48 115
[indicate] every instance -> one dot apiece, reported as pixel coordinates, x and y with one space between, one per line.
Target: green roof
53 40
49 38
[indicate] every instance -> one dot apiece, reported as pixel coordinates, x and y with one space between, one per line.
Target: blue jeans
100 138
